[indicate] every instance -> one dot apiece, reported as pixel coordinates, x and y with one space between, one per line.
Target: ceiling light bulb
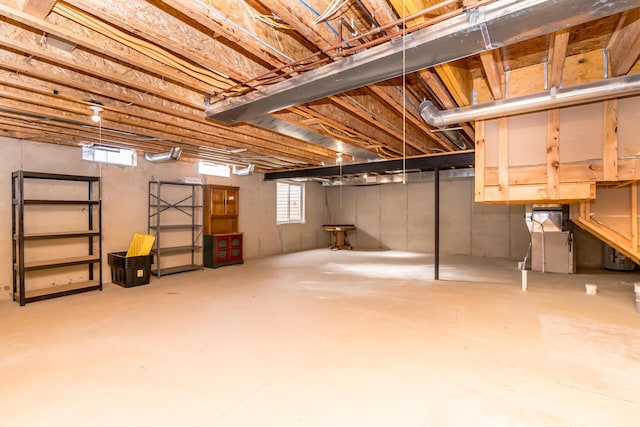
96 113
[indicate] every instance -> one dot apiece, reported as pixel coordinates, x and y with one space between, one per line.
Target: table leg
332 245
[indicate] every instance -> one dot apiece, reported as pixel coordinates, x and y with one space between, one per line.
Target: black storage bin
130 271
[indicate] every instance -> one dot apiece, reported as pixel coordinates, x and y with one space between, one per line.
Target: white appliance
551 239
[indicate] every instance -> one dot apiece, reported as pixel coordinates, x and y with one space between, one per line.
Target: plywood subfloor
324 338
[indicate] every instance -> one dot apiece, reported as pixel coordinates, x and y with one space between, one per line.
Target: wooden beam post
553 153
557 53
624 44
493 70
634 216
503 158
458 80
480 161
610 145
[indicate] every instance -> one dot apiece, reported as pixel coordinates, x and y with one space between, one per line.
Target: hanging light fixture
95 117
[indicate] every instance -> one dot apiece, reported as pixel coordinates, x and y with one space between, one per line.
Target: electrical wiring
333 30
319 58
330 10
273 22
342 134
243 30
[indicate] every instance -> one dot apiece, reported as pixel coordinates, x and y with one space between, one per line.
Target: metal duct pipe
580 94
494 25
243 172
172 155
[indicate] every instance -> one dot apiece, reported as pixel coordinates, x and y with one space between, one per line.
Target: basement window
215 169
290 203
111 155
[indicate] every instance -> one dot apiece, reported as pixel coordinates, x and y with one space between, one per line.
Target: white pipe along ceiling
553 98
488 27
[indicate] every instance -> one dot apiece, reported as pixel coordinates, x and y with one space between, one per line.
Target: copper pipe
268 77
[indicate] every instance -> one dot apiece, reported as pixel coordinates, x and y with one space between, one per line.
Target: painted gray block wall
258 218
588 249
125 202
401 217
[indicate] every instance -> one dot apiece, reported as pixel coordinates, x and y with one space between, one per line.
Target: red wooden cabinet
222 249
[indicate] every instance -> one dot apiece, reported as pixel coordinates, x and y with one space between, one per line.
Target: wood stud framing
633 188
553 154
493 69
152 64
503 158
624 45
610 145
558 44
480 162
585 215
38 8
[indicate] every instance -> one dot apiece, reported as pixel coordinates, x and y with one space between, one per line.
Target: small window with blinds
290 203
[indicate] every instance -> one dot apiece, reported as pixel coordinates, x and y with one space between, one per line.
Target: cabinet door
218 201
222 249
231 202
235 247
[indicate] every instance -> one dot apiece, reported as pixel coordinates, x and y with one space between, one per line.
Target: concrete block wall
125 202
401 217
390 216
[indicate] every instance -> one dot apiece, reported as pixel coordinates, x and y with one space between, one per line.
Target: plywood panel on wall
523 130
527 136
581 133
611 207
491 143
628 127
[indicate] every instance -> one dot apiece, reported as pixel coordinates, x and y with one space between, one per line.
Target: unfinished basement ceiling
159 68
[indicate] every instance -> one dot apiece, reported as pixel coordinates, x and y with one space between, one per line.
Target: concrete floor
324 338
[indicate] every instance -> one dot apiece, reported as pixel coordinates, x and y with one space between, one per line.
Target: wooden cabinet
223 249
56 230
222 241
221 209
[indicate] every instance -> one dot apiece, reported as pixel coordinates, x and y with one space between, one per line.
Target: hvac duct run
487 27
243 172
554 98
170 156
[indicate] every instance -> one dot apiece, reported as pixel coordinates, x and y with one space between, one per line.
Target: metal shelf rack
175 216
53 241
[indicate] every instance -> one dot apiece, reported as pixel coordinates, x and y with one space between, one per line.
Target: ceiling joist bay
154 65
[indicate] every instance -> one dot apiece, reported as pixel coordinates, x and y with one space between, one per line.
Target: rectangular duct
497 24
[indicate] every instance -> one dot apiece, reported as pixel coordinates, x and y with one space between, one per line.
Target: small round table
339 235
